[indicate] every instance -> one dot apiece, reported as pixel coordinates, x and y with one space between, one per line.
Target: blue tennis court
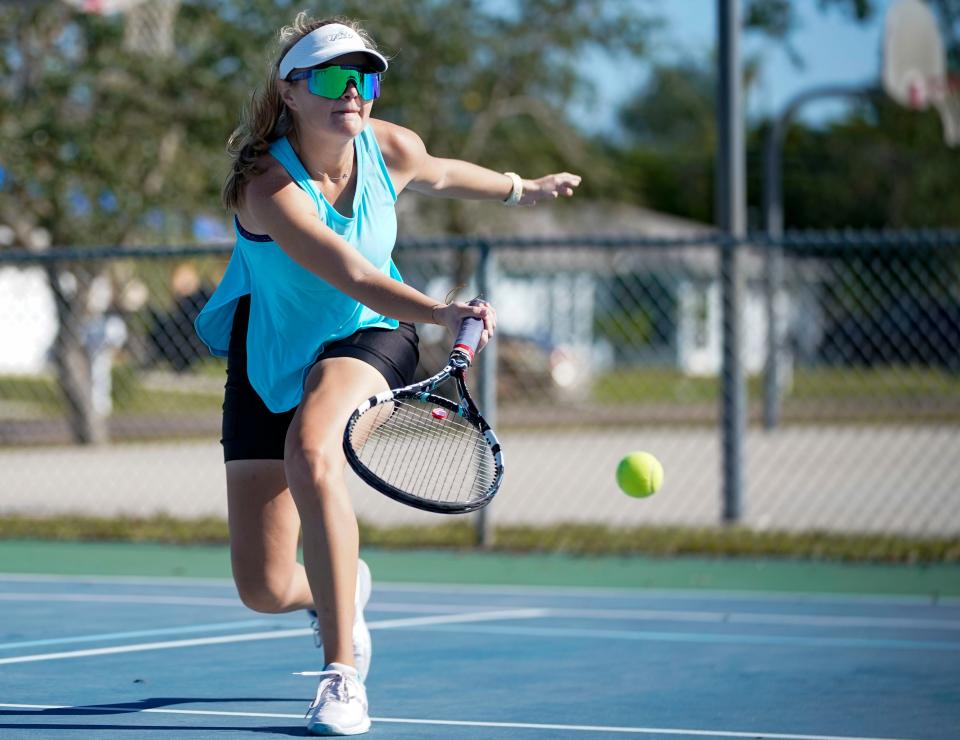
142 657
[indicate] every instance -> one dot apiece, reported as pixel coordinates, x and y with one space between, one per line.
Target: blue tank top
294 314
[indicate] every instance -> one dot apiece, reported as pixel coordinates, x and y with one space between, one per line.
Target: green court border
933 580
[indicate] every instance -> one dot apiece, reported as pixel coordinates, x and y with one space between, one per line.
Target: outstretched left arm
411 166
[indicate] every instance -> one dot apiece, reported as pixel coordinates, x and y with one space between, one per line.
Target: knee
261 594
311 468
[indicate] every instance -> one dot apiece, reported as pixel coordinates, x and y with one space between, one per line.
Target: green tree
103 145
107 145
667 157
779 19
100 136
877 166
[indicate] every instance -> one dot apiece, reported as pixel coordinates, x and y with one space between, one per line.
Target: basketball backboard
915 64
148 26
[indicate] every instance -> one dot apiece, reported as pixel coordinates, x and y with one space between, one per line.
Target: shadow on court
139 706
134 707
146 729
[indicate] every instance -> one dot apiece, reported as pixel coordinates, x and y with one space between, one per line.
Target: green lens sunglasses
331 82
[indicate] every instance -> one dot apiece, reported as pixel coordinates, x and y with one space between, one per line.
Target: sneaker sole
328 730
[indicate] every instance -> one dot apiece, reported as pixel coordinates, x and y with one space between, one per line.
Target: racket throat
468 409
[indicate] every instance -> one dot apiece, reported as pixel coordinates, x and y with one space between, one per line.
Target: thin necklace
338 178
332 178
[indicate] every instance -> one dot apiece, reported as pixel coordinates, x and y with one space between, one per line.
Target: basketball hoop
103 7
148 25
915 65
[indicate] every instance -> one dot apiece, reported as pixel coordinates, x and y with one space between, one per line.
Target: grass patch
586 539
883 395
575 539
160 528
848 385
42 396
38 394
130 397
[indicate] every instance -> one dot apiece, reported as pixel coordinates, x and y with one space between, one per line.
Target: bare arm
413 167
287 214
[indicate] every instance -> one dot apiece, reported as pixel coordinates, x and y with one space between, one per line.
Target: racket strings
439 463
435 467
434 456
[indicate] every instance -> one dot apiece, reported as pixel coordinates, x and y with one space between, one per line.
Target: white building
28 320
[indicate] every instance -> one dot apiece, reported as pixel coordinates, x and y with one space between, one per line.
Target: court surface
163 657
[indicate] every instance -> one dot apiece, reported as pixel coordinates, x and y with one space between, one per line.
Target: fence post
487 373
730 191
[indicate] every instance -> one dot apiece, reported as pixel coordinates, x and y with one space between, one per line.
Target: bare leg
264 532
314 467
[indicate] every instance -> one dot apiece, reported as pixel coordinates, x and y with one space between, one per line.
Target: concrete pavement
849 479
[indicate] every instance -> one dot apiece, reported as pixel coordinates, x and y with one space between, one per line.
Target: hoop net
149 27
915 65
148 24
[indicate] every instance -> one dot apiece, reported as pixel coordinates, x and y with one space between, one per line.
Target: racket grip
469 335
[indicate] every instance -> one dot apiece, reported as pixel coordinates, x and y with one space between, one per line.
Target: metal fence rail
110 405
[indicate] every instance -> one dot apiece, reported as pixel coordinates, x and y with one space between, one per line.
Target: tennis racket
424 450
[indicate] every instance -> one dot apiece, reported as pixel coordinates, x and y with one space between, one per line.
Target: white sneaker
362 644
340 707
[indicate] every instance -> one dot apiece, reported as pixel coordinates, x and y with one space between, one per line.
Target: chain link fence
110 405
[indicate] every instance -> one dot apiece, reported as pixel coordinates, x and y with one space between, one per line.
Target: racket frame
423 391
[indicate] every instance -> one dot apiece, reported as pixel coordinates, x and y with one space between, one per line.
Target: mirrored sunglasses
331 82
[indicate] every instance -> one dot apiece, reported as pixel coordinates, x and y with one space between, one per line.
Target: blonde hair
266 118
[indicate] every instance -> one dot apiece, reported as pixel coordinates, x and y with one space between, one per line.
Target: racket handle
469 335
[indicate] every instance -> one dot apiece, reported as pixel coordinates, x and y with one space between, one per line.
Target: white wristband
517 193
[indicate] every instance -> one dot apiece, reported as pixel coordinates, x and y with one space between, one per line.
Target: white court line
115 580
631 730
156 632
805 620
710 617
276 635
447 622
165 645
526 590
169 599
756 735
706 594
711 638
668 615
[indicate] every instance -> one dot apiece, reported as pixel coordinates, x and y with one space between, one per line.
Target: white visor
326 43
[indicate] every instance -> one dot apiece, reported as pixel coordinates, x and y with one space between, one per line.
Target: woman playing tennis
313 317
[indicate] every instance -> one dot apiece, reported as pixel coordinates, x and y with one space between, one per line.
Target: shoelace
333 684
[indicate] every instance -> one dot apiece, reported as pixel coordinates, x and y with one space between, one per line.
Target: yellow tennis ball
639 474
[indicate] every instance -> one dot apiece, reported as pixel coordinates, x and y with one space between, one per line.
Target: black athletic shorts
252 432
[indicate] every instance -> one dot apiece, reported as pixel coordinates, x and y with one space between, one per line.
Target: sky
835 49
